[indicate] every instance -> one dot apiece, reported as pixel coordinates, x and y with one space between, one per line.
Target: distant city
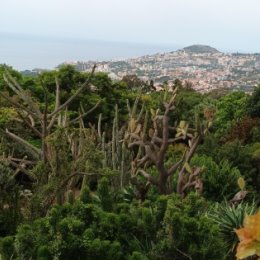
203 67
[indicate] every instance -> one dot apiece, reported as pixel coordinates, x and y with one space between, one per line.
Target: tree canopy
95 168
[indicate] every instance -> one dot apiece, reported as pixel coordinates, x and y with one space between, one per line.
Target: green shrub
188 232
219 180
108 225
104 194
10 202
43 253
137 256
161 230
85 195
25 242
7 248
161 205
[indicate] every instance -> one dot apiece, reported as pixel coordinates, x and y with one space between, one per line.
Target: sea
25 52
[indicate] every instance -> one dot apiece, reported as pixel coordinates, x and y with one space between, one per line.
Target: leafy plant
228 218
219 179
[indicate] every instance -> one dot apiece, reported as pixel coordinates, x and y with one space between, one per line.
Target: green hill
200 49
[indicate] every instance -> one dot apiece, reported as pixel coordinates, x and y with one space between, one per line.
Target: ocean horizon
24 52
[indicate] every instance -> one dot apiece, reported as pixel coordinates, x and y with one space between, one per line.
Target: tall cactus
116 156
115 141
154 143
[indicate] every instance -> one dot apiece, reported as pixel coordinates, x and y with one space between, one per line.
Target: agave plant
231 217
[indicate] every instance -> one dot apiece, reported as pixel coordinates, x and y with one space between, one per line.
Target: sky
128 27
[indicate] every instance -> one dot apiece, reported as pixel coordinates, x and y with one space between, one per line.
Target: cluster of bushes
107 220
162 229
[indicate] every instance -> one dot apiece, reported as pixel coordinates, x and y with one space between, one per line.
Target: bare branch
83 86
32 149
57 104
193 148
192 179
85 114
30 124
57 98
140 114
142 160
17 105
32 120
20 168
135 136
20 160
156 139
175 167
150 178
165 136
150 154
12 83
141 143
188 157
99 126
174 140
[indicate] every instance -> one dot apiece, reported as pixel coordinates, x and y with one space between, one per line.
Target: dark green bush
25 242
219 179
10 201
168 228
188 232
43 253
104 194
7 247
137 256
85 195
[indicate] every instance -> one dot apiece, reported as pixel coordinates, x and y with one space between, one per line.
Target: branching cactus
154 142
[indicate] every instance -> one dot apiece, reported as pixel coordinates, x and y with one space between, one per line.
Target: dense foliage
98 169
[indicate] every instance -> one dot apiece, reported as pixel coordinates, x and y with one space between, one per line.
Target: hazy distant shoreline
28 52
24 52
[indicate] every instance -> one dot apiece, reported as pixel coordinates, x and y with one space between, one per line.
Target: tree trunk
162 184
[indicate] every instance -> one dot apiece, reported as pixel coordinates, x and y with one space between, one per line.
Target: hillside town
202 67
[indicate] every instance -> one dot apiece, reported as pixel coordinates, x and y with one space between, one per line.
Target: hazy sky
225 24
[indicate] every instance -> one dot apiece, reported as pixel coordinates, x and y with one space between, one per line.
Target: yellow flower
249 237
